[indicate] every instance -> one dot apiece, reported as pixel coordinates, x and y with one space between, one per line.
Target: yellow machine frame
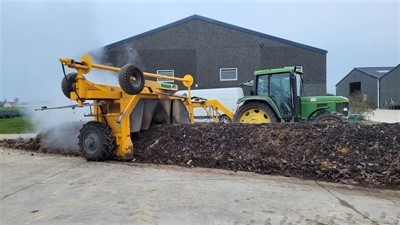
120 104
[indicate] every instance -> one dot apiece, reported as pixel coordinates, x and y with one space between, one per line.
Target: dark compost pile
350 153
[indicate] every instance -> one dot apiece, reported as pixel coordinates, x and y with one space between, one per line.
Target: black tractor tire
68 84
255 112
125 81
95 141
330 117
224 119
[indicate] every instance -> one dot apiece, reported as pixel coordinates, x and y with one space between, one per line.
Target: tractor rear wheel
68 84
95 141
255 112
131 79
330 117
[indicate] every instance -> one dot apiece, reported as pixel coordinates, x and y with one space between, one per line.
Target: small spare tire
68 84
131 79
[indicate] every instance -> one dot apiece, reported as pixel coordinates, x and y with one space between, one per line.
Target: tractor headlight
345 109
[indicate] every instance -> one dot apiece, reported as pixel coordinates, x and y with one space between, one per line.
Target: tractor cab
284 87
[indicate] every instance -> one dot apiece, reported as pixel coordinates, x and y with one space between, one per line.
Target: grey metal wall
368 84
201 49
313 65
389 88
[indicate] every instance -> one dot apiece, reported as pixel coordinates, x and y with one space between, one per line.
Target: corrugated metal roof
318 50
376 72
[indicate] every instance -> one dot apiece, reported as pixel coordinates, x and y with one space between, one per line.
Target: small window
169 73
227 74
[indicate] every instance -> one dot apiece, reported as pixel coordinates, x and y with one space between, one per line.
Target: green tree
361 104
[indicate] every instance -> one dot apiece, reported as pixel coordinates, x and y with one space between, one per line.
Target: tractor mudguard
315 111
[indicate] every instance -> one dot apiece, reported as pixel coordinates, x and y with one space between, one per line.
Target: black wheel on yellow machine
254 112
95 141
224 119
131 79
68 84
330 117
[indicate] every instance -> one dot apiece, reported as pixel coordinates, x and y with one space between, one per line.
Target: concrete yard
385 116
54 189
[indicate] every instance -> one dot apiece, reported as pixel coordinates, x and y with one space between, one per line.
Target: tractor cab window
280 92
262 85
299 85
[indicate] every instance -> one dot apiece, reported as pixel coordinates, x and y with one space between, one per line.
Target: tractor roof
273 71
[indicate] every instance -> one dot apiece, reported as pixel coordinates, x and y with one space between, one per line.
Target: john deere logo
169 86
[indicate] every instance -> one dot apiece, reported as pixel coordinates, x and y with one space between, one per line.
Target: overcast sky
36 34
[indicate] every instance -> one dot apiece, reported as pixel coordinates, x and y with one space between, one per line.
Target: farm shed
365 80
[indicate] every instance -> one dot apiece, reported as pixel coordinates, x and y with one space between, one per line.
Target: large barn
216 54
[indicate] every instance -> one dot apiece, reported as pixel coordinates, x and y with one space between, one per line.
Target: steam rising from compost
63 137
59 128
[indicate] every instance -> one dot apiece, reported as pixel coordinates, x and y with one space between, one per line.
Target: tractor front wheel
255 112
330 117
95 141
131 79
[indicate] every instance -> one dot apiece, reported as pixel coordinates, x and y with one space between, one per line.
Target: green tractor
277 97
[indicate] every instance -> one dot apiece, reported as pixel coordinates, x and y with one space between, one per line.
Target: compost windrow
350 153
